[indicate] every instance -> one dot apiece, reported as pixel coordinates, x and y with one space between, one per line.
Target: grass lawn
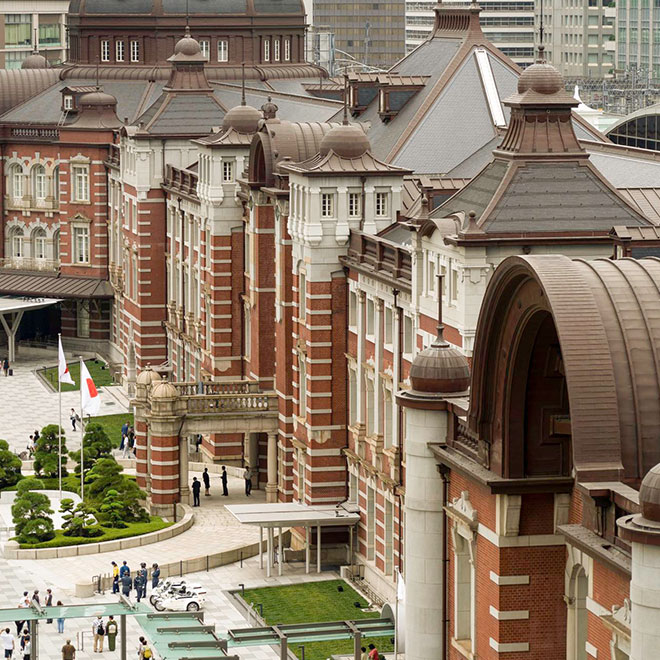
110 534
112 425
316 602
101 377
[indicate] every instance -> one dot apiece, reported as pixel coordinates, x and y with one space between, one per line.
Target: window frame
81 231
39 183
354 204
327 205
223 50
287 49
228 171
120 51
105 50
80 173
135 50
382 204
276 50
266 50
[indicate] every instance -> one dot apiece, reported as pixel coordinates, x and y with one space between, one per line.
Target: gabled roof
182 114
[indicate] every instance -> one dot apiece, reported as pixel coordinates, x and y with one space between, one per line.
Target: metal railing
29 263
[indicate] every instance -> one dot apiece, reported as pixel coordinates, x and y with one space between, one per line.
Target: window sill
464 647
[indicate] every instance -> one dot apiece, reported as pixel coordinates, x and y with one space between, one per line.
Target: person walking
144 573
363 655
49 602
142 644
24 602
27 647
196 487
30 446
68 651
115 577
155 575
60 621
126 584
373 653
206 477
98 630
138 583
35 597
247 475
111 631
5 366
74 418
8 642
223 478
124 570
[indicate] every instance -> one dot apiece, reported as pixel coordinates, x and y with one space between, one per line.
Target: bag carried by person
147 653
100 630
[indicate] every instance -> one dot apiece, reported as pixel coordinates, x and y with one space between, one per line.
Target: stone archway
576 614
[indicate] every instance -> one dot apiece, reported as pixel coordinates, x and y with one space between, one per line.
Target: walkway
28 404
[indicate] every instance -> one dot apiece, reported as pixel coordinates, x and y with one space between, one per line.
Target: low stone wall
12 549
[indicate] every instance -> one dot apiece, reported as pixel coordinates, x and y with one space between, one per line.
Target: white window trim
75 197
267 50
105 50
76 227
223 50
227 171
328 211
120 52
287 49
135 50
385 211
276 50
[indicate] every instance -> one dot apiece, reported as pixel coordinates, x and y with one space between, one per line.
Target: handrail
213 404
29 263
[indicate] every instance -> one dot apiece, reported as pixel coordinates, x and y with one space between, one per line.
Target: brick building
279 267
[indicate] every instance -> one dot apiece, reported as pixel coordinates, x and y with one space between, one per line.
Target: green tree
27 507
47 450
28 484
78 521
96 445
37 531
10 466
113 508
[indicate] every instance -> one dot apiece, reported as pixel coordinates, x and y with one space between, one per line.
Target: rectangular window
389 537
18 30
135 51
49 30
407 335
119 51
287 49
371 313
80 183
81 245
353 488
40 247
430 276
205 47
354 205
276 50
302 297
327 205
302 386
371 522
266 51
223 50
382 210
353 392
17 184
464 593
389 325
454 286
17 247
134 278
352 309
82 318
227 171
105 50
40 185
68 101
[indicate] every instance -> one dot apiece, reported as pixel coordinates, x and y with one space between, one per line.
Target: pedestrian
60 620
122 444
30 446
111 632
223 478
27 647
124 570
24 602
124 429
373 653
138 583
36 437
206 477
131 440
145 578
98 630
68 651
126 448
155 575
35 597
196 487
115 577
25 637
5 366
247 475
49 602
363 655
8 642
74 418
142 644
126 584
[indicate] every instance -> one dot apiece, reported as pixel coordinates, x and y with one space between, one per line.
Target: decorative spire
243 84
541 32
35 50
440 341
345 121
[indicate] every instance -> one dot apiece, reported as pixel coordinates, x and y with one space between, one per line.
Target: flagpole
82 436
396 617
59 432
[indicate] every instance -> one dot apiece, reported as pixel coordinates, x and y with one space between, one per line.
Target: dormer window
276 50
287 50
205 47
119 51
135 50
267 51
105 50
223 50
67 102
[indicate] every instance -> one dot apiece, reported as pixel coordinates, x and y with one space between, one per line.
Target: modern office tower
27 24
373 33
579 36
638 37
508 24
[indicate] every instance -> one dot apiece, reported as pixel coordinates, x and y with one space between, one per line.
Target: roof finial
36 43
98 86
243 84
345 121
187 18
541 34
440 339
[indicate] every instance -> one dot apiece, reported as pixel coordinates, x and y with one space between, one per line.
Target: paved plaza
27 404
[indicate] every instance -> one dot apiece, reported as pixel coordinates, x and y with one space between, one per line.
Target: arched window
56 245
15 182
17 242
39 243
56 184
39 188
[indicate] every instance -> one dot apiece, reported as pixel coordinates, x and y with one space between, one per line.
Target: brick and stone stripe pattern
164 469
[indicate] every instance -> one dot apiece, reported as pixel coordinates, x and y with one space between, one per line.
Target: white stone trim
591 650
508 580
509 615
533 540
511 647
596 608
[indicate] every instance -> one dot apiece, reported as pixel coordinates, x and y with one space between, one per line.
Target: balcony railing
182 181
212 389
35 133
380 256
29 263
229 403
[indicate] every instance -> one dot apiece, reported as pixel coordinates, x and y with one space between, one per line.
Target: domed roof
540 77
346 140
440 369
243 119
35 61
164 390
649 495
187 46
147 376
97 99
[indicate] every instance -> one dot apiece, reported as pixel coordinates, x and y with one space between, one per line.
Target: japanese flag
62 368
91 400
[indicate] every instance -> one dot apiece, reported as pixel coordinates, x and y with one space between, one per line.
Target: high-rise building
579 36
373 33
508 24
638 37
33 24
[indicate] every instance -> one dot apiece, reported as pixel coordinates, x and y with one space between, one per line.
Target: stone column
141 411
271 486
184 488
424 539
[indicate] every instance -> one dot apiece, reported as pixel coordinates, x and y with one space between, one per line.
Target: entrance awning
53 285
11 315
294 514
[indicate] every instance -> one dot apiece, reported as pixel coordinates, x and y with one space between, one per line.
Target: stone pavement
26 404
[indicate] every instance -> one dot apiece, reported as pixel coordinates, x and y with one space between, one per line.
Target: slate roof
18 85
53 286
331 163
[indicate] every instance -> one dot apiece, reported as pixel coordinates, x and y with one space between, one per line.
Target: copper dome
346 140
243 119
540 77
649 495
440 369
97 99
35 61
188 46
